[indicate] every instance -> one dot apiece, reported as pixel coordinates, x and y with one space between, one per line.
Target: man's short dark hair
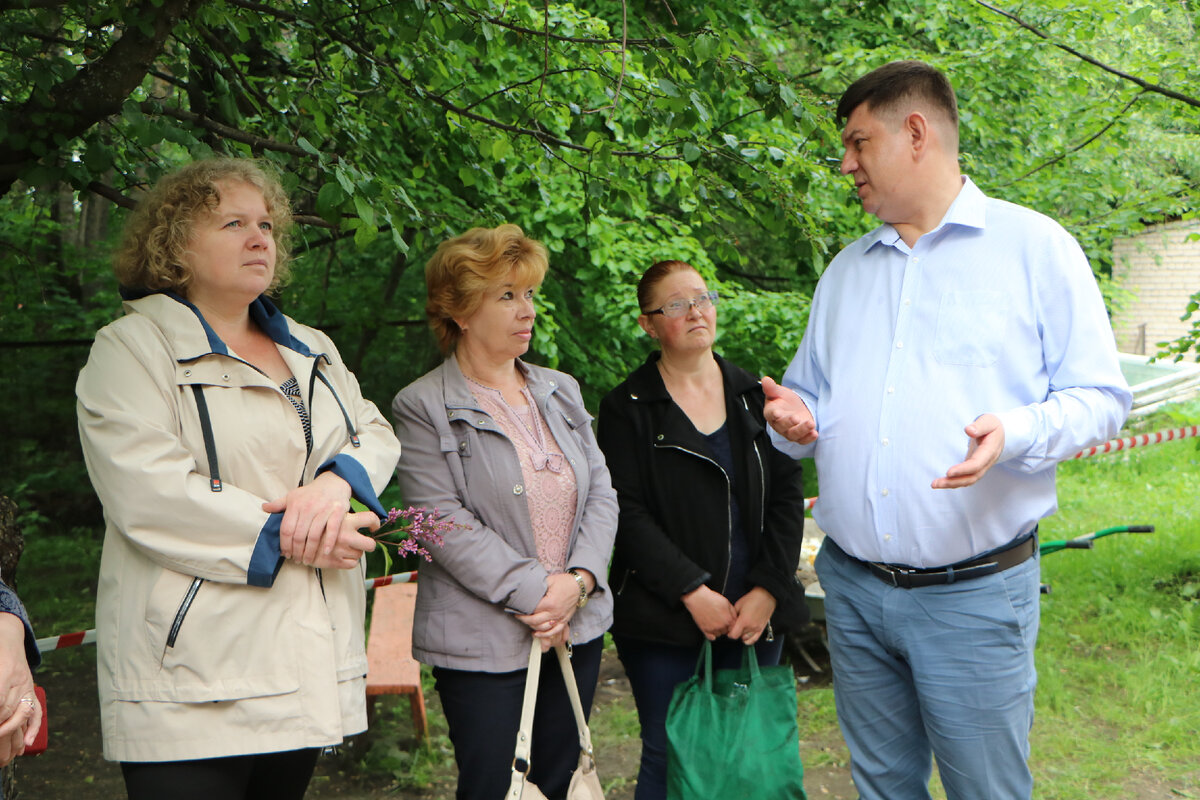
884 88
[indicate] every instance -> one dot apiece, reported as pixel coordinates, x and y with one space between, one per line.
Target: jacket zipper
183 610
769 634
728 515
762 480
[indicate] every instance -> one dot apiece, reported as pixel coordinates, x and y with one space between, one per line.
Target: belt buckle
896 571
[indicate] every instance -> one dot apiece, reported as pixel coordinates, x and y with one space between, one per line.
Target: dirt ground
72 767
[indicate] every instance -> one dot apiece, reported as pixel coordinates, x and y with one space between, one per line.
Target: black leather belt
913 577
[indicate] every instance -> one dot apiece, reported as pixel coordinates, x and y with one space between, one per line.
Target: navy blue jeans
654 670
483 712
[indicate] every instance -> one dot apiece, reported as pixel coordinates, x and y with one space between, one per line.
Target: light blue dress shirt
994 310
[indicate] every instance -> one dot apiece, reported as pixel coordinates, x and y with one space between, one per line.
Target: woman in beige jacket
225 442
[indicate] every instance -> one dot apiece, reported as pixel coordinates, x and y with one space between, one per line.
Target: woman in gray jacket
505 450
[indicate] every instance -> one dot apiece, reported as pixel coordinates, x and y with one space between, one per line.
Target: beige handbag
585 783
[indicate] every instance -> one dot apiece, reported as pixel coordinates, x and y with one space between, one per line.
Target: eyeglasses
678 308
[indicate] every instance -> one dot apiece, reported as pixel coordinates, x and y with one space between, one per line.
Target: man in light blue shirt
952 357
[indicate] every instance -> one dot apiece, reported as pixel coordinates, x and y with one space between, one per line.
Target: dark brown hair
885 88
653 276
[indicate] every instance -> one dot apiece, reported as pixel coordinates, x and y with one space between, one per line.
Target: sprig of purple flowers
410 530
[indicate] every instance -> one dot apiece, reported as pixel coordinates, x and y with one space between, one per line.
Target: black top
721 445
674 532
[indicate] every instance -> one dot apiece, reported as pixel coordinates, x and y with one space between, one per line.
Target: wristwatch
583 595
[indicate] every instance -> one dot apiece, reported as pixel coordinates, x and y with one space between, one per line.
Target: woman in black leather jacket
711 514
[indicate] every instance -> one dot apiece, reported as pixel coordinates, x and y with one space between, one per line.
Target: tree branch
28 5
655 42
151 107
1146 85
440 100
109 193
624 55
94 92
1079 146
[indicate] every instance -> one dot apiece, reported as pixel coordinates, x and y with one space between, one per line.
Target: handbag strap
585 735
525 732
750 659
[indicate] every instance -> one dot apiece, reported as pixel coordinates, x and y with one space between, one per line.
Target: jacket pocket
456 449
186 604
196 641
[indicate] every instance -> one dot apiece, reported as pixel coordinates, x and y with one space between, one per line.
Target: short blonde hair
157 235
464 268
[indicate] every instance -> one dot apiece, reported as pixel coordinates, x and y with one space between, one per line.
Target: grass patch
1119 647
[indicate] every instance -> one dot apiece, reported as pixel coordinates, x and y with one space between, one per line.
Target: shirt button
659 437
915 260
482 422
885 492
553 384
887 537
899 345
518 489
891 390
462 447
907 302
187 373
884 441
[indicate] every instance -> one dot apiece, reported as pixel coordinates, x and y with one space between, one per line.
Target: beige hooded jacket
211 644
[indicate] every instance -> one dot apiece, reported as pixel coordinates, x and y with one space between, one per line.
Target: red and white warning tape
66 640
89 637
386 580
1140 441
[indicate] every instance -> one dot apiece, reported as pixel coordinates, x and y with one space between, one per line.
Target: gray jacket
458 460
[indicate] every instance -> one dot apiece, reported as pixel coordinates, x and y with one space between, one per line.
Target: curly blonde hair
157 234
464 268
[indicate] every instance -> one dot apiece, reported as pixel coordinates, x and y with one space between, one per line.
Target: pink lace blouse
550 488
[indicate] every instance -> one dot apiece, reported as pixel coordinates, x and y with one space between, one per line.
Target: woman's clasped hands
318 529
744 620
551 620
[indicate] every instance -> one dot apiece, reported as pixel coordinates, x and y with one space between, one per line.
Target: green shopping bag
734 734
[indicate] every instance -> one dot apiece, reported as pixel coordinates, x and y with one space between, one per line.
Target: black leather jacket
674 532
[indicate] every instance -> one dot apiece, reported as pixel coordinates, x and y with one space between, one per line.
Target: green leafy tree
618 134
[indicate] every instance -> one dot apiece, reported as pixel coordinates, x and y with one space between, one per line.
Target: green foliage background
618 133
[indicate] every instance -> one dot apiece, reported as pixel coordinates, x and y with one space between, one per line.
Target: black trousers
483 711
263 776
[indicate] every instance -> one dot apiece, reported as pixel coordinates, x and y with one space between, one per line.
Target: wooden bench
391 668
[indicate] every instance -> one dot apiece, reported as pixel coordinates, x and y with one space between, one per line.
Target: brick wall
1159 270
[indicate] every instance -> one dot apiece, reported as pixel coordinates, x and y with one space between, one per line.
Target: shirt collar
969 210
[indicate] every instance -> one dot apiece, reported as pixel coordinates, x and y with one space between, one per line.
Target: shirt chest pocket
971 328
